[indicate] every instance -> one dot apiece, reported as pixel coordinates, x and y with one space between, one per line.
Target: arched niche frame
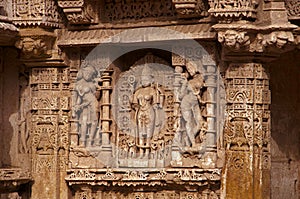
120 130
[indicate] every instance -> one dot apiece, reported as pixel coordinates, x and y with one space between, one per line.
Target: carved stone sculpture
85 105
147 100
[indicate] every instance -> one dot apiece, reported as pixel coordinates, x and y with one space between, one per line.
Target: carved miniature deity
190 108
85 105
146 101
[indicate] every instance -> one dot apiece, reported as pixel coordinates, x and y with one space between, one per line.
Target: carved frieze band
36 12
233 9
123 177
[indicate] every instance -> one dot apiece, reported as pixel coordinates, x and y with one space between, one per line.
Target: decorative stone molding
233 9
36 12
123 177
77 11
11 178
190 8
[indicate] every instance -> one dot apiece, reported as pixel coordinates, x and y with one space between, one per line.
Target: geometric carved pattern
248 103
247 126
36 12
137 9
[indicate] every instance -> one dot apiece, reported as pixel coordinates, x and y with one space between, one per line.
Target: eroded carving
233 39
36 46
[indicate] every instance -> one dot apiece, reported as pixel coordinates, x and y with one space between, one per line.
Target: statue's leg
92 134
187 116
83 132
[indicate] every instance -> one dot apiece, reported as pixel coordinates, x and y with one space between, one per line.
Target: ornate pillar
48 122
246 50
106 117
247 131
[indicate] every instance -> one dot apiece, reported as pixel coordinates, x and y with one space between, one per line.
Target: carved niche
148 125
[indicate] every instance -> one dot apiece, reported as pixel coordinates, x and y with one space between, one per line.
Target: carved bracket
33 47
190 8
276 41
76 11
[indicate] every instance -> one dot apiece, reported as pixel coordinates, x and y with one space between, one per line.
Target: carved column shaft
247 131
211 106
105 107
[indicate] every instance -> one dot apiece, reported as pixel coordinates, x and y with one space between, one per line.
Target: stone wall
285 108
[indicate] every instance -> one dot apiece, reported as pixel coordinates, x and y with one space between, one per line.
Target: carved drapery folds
79 11
36 12
233 9
247 130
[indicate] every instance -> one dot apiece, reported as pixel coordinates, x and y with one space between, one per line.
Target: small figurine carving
190 108
147 100
85 105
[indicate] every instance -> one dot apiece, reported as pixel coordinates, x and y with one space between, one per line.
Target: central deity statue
147 103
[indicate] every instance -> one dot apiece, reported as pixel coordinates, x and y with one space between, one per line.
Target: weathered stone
149 99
